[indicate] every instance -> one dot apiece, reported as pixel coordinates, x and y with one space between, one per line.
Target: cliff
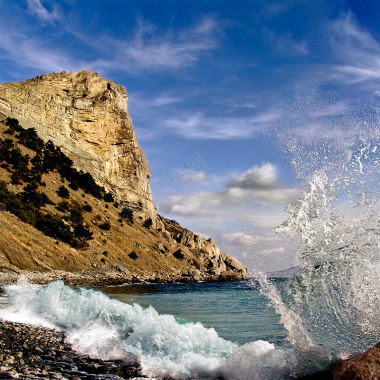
86 116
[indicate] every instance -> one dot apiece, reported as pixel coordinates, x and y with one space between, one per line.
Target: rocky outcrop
86 115
209 256
364 366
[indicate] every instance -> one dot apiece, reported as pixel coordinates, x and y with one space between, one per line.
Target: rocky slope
86 116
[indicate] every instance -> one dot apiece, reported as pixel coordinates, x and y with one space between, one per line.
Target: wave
103 328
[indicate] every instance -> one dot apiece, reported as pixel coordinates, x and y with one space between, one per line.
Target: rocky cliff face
87 117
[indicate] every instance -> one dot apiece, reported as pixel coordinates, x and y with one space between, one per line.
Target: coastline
106 278
28 352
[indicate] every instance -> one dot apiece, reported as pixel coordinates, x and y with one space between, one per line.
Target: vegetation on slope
40 186
68 227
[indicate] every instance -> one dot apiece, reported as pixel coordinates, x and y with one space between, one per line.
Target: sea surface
237 311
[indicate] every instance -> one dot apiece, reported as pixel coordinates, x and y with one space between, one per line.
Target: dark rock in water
30 353
324 375
365 366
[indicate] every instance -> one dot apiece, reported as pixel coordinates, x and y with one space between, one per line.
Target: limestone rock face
87 117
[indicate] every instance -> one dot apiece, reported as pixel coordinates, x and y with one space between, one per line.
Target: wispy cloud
199 126
356 50
286 45
150 49
36 8
32 53
260 252
147 49
144 101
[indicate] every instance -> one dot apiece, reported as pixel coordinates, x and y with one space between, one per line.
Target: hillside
57 216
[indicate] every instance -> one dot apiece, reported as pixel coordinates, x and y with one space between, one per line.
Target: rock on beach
30 353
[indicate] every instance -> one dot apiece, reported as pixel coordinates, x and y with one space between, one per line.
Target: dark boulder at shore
364 366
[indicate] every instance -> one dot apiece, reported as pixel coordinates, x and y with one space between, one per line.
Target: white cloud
31 53
334 109
150 50
199 126
258 177
266 252
138 100
256 187
147 49
197 177
36 8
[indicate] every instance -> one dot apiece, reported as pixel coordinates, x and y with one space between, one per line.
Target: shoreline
37 353
28 352
105 278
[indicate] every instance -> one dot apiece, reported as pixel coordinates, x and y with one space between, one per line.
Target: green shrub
178 254
63 192
148 223
105 226
108 197
76 215
29 138
87 208
63 206
133 255
127 213
13 124
83 232
33 196
55 227
74 185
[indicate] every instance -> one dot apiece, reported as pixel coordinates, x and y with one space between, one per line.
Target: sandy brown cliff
86 116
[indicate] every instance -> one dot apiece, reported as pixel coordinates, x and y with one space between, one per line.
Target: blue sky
234 102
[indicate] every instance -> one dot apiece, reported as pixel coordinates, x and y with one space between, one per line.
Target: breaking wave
109 329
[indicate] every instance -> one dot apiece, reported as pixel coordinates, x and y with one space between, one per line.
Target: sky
235 103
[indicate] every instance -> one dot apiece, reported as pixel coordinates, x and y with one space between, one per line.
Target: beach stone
55 359
24 371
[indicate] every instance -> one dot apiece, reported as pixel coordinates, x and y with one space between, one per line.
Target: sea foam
109 329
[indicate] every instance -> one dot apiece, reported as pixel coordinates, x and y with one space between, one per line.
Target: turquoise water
237 311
